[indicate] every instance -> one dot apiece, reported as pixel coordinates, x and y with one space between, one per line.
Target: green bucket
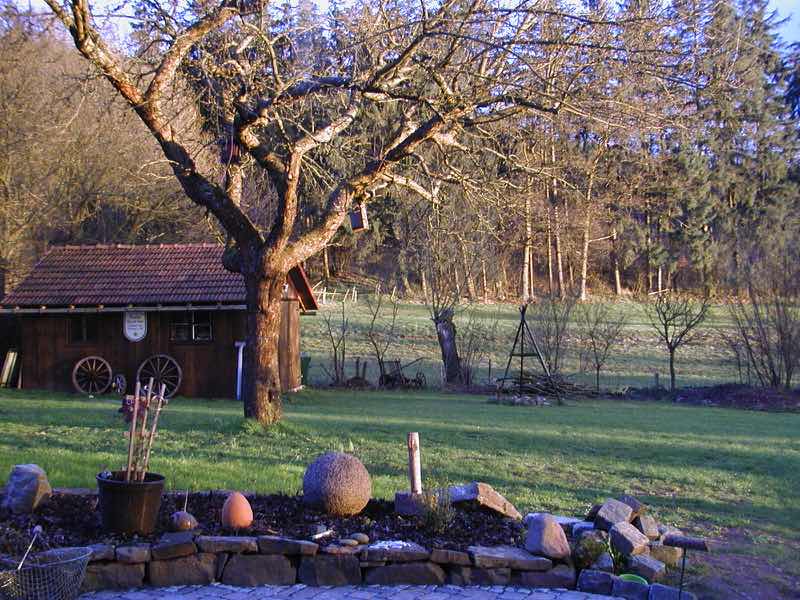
305 365
633 578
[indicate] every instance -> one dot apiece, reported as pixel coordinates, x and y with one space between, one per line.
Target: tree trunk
446 333
585 254
672 370
617 274
326 264
262 386
559 258
550 250
597 377
469 280
527 258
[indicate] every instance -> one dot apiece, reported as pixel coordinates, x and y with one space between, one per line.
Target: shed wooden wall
209 368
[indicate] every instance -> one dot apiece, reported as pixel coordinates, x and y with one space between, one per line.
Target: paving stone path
368 592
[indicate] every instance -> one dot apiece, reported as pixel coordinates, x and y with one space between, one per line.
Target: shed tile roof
141 275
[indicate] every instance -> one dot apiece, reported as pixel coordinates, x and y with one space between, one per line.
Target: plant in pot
129 499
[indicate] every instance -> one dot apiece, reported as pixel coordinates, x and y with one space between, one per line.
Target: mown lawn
632 362
713 468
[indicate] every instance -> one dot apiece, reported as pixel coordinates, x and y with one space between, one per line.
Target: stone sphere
337 483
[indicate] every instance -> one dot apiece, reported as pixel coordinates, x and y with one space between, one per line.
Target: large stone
133 553
197 569
628 540
394 551
174 545
414 573
484 496
595 582
112 576
669 555
663 592
450 557
101 552
648 526
340 550
591 545
647 567
26 489
612 512
567 523
493 557
637 507
251 570
604 562
578 529
270 544
338 483
562 576
461 575
630 590
329 570
226 543
546 537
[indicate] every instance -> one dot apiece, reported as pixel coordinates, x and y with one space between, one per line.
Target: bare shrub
477 332
550 320
676 320
337 330
601 328
382 330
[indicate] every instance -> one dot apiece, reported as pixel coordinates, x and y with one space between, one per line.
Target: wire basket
51 575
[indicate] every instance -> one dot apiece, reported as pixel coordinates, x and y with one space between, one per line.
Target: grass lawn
632 362
714 468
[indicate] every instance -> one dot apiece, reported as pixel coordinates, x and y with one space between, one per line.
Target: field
632 363
726 473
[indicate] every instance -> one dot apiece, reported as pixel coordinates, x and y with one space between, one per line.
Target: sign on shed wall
134 325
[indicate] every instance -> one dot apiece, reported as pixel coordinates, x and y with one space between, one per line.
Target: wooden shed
170 311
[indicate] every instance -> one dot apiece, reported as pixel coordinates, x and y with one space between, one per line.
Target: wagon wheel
164 370
91 375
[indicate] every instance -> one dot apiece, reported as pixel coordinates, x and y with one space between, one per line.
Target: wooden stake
414 464
160 400
132 431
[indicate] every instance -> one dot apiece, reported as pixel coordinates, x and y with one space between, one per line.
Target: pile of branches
553 386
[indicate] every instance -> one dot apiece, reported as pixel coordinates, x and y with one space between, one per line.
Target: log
686 542
414 464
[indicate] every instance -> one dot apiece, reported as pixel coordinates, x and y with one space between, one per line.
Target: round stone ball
337 483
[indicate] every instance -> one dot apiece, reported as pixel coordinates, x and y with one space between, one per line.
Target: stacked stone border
189 559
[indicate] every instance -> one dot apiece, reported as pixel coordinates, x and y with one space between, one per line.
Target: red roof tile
139 275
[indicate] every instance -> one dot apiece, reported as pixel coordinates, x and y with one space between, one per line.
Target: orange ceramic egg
236 512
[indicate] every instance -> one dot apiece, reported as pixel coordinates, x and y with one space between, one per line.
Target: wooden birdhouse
358 218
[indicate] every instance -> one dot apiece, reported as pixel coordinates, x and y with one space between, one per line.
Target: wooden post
414 465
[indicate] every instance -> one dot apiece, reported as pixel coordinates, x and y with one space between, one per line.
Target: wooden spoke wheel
92 375
164 370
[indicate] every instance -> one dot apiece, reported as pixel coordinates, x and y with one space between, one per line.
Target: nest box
358 218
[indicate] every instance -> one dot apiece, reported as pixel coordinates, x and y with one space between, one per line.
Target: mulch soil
728 395
74 520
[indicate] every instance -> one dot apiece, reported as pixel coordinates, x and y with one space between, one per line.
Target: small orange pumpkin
236 512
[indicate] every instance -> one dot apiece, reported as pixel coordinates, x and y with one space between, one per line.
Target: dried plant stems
152 435
132 433
140 441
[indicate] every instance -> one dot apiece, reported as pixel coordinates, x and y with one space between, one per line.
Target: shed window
82 329
191 326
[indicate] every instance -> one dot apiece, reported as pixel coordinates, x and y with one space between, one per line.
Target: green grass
713 468
632 362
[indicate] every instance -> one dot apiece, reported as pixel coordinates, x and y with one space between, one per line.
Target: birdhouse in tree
358 218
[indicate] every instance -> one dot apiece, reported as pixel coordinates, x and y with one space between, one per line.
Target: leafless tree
337 329
550 321
600 330
477 334
676 319
231 88
381 331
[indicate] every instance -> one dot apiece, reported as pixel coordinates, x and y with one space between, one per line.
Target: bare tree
550 321
337 337
381 331
676 319
601 328
229 88
477 334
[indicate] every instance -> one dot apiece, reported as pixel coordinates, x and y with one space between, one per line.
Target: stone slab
252 570
226 543
173 547
468 576
492 557
647 567
101 552
485 496
133 553
197 569
450 557
412 573
113 576
612 512
595 582
628 540
329 570
630 590
270 544
394 551
562 576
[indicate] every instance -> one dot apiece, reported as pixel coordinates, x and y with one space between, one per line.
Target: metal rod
683 570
